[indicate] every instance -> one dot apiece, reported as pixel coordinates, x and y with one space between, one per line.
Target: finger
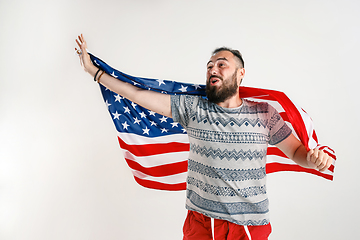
83 43
308 156
82 46
80 38
319 159
78 52
310 159
78 43
329 161
322 159
314 156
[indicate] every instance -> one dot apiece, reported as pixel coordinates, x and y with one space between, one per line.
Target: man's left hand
318 159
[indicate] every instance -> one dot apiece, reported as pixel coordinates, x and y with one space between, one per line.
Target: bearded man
226 195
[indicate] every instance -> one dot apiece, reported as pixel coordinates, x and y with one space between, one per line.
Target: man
228 141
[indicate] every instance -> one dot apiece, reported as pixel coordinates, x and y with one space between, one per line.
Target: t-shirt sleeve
278 129
181 108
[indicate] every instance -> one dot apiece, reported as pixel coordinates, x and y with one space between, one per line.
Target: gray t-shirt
226 165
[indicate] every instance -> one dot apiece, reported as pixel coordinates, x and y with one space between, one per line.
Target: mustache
215 76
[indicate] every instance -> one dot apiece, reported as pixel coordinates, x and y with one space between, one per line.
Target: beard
228 89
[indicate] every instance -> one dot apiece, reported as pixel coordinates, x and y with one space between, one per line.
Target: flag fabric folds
156 148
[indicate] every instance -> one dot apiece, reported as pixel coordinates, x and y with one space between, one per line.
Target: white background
62 175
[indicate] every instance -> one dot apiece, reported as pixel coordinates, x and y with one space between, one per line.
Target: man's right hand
154 101
85 60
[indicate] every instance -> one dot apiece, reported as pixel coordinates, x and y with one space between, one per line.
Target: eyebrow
217 60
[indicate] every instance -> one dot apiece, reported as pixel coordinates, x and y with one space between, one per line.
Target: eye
221 64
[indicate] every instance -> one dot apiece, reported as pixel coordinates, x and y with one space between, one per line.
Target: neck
232 102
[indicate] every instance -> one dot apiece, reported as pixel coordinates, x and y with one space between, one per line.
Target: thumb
308 156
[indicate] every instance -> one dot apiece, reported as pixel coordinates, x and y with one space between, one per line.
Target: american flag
156 148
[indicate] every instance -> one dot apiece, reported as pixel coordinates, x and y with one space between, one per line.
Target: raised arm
295 150
151 100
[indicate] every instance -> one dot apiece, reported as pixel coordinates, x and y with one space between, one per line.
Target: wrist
92 70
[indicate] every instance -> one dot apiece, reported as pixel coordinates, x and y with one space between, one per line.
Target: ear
240 75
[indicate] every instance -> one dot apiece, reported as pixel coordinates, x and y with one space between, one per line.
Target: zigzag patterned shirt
226 166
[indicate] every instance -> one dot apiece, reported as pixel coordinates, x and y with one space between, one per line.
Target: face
223 77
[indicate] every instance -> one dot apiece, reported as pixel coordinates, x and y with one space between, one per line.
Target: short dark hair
236 53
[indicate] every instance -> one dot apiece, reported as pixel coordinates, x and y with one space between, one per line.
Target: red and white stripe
161 163
301 124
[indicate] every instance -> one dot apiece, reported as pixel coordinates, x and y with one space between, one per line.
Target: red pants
198 227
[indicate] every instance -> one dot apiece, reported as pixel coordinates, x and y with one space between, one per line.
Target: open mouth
214 80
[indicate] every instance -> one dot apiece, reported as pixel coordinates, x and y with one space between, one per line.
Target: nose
213 71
